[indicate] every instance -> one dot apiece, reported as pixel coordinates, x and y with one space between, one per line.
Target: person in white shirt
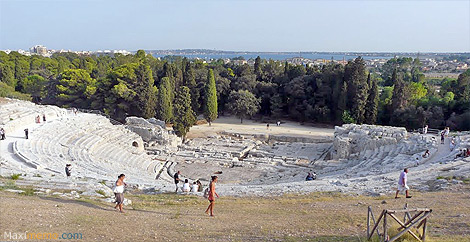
402 184
186 187
194 187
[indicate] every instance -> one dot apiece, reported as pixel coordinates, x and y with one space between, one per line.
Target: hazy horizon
243 26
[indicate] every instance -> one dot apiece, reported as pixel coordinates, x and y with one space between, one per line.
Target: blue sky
256 25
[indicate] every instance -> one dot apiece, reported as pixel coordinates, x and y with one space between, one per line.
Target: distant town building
38 49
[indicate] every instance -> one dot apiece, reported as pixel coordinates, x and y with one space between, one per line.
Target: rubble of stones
228 151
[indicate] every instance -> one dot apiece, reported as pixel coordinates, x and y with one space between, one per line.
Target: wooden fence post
385 226
369 210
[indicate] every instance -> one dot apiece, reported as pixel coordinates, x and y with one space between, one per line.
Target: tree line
177 90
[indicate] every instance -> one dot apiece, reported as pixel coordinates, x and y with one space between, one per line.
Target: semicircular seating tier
95 148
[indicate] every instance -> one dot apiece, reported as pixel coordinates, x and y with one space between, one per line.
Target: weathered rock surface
153 132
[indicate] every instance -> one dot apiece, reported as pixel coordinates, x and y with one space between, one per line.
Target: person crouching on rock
119 192
311 176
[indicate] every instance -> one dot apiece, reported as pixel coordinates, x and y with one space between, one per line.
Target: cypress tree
210 109
165 107
146 91
355 77
372 101
190 81
399 96
257 68
184 115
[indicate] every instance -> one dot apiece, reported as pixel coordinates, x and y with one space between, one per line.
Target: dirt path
232 124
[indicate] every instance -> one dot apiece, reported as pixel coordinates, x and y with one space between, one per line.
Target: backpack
206 192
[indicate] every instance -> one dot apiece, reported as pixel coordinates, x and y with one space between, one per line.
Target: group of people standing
444 134
195 187
209 193
38 118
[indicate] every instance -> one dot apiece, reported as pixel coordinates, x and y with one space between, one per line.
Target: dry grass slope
312 217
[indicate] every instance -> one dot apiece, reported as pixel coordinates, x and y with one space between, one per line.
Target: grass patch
101 192
144 201
28 191
465 180
9 185
102 182
15 176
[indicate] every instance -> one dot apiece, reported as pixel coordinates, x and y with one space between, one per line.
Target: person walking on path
119 192
402 185
2 133
447 131
425 129
211 196
176 176
68 170
44 117
26 132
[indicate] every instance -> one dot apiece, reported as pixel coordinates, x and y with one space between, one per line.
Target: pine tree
210 110
184 115
372 101
243 104
165 107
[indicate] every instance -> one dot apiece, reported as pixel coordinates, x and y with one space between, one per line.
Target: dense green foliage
210 108
141 85
243 104
184 114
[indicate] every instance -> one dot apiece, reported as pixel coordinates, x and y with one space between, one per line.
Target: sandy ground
169 217
232 124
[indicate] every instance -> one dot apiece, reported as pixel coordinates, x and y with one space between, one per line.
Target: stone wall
153 132
352 138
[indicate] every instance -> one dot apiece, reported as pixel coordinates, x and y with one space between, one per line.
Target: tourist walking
68 170
443 135
26 132
452 144
2 133
425 129
402 184
176 176
119 192
447 131
211 196
278 123
267 126
44 117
